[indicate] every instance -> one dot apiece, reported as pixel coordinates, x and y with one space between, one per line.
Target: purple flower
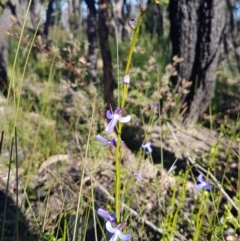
115 117
106 142
203 183
117 232
107 215
126 79
155 106
137 176
131 23
147 146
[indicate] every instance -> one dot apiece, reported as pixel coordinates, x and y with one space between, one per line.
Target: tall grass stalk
83 170
7 188
124 96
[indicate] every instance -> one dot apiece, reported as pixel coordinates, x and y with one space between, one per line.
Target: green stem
124 95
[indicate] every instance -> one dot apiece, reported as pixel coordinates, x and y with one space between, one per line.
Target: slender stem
124 95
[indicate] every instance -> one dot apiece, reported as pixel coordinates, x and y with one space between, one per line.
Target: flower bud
126 79
143 7
131 23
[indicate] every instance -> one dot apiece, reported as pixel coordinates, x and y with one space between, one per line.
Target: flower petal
103 213
208 186
200 186
102 139
113 142
144 146
201 178
109 115
109 227
114 237
124 237
118 111
149 148
125 119
107 215
111 125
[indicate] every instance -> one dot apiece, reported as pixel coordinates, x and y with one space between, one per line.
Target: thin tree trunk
70 13
48 21
6 23
106 54
65 16
92 38
76 10
117 9
35 15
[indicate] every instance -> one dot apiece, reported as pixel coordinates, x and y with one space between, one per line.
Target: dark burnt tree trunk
49 18
197 29
6 22
92 38
106 54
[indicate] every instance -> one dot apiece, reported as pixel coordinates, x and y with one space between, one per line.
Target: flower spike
115 117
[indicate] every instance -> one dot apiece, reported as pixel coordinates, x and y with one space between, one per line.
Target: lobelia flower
107 215
147 146
131 23
117 232
155 106
126 79
203 183
106 142
115 117
137 176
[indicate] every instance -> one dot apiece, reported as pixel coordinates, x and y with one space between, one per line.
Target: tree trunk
92 38
70 13
6 23
76 10
197 28
49 14
36 9
118 20
234 34
106 54
66 15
